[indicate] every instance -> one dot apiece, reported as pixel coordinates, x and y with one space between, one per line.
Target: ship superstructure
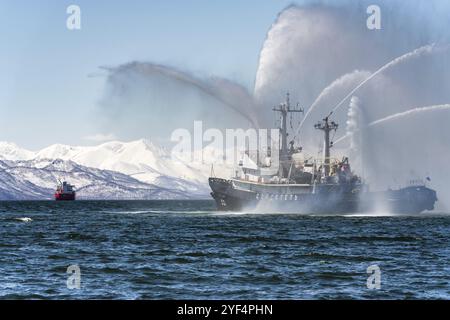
302 185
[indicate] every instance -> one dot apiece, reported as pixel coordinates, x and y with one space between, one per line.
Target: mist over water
323 54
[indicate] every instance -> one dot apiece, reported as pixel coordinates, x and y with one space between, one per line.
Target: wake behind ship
318 186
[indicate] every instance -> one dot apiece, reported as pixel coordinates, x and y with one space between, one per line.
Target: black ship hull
325 199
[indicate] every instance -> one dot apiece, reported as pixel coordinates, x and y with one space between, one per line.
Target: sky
50 81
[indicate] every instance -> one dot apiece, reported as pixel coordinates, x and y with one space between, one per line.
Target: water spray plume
428 49
353 123
226 92
413 54
399 116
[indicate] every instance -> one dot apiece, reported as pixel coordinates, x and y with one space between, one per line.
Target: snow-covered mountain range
113 170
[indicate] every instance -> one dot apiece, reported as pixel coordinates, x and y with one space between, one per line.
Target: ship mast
326 126
285 108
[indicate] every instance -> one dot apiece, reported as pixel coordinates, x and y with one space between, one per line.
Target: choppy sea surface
187 250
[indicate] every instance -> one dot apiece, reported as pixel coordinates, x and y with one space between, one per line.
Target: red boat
65 192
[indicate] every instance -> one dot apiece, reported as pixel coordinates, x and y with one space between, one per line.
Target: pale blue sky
45 88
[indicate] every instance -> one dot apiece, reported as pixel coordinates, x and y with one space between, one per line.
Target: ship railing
320 162
416 183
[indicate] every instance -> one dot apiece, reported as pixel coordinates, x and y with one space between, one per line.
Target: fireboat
324 186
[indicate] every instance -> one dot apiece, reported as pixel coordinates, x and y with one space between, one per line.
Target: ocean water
187 250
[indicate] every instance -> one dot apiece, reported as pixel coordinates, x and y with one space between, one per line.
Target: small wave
333 257
194 254
133 212
253 238
383 238
306 214
143 212
113 270
372 214
178 260
21 296
252 213
85 237
336 275
230 213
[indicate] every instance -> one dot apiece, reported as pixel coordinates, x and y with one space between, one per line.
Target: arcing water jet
228 93
410 55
